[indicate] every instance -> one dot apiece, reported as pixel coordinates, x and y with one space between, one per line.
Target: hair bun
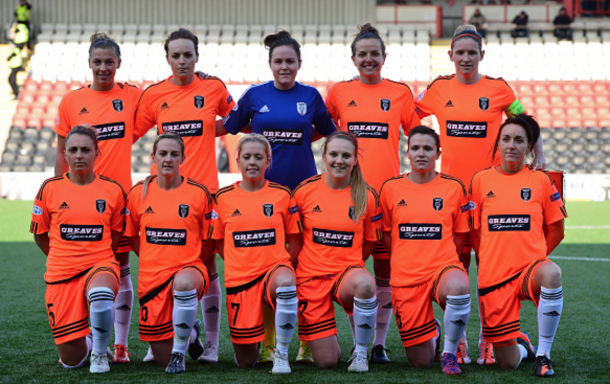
270 39
367 28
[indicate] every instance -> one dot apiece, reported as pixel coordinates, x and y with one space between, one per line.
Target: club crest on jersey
484 103
100 205
437 203
199 101
117 105
352 213
183 210
268 210
385 105
302 108
526 194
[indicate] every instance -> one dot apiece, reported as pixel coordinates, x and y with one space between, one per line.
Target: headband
347 135
107 41
467 33
366 35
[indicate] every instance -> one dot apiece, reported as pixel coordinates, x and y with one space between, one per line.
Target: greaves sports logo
165 236
414 231
474 129
333 238
248 239
369 130
110 131
280 136
502 223
81 232
184 128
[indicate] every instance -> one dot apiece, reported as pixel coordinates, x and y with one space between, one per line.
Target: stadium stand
564 84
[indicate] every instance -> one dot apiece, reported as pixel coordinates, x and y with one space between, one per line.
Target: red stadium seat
587 101
602 101
43 100
540 89
589 112
559 122
31 85
27 99
572 100
34 122
527 102
601 88
569 88
541 101
22 110
49 122
573 113
558 113
544 122
588 122
19 122
542 113
555 88
585 88
556 100
524 89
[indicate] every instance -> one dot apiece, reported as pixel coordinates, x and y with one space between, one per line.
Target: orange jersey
254 226
172 225
111 113
332 241
191 112
422 219
510 210
469 118
375 114
79 220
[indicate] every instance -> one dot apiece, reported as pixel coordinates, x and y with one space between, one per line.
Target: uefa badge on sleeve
183 210
117 105
484 103
437 203
100 205
302 108
268 210
199 102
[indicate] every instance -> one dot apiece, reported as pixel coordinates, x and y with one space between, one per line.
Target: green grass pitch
580 352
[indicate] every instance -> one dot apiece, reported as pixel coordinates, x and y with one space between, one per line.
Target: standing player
288 114
77 222
340 221
425 222
109 107
255 219
469 108
188 105
511 204
172 214
374 109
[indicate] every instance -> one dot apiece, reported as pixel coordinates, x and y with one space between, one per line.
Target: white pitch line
578 258
587 226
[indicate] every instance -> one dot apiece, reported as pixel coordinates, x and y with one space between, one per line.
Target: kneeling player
425 222
340 218
168 218
510 206
77 222
254 219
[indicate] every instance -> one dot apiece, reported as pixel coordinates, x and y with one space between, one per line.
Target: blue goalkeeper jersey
287 119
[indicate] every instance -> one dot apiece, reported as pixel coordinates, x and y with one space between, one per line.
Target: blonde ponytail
147 181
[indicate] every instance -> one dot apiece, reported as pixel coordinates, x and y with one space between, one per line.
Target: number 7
235 305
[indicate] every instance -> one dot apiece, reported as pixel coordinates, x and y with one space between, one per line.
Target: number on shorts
303 306
51 315
144 314
235 305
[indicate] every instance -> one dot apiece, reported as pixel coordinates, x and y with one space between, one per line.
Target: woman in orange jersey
469 107
108 106
425 222
517 215
188 105
254 220
170 214
340 221
77 222
375 109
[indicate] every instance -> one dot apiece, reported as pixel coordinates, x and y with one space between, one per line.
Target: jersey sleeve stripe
448 77
280 186
112 181
56 178
199 185
473 176
308 181
447 177
400 83
223 190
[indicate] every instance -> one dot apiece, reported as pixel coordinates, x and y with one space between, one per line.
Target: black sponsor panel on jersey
184 128
333 238
415 231
498 223
474 129
165 236
369 130
280 136
259 238
81 232
110 131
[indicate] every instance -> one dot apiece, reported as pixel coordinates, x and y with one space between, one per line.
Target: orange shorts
156 309
316 309
245 308
500 305
379 253
123 246
413 308
67 303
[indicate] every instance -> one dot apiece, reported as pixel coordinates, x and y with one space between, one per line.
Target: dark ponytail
279 39
367 31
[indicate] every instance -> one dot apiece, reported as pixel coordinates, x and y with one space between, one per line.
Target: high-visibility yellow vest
23 13
15 60
22 34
